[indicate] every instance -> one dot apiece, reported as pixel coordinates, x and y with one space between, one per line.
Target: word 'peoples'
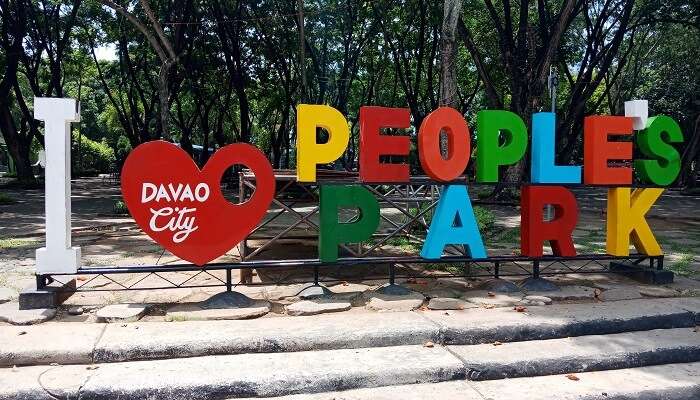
179 220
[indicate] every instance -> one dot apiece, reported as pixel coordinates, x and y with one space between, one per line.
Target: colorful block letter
458 144
534 230
490 153
332 233
597 150
309 152
665 165
453 223
373 144
543 148
626 218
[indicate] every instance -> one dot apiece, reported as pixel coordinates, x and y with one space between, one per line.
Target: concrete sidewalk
75 343
668 382
276 374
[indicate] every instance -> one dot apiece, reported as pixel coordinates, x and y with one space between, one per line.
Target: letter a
626 218
453 223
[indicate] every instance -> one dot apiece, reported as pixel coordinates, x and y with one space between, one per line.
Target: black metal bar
40 282
350 261
594 260
462 180
660 263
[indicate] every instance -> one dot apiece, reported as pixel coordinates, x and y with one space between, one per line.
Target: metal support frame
413 202
548 266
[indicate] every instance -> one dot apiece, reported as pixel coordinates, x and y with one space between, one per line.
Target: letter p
333 233
311 153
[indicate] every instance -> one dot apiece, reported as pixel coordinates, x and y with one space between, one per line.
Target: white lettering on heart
151 192
176 221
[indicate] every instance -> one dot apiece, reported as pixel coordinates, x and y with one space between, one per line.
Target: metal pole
302 56
552 83
536 269
246 274
229 286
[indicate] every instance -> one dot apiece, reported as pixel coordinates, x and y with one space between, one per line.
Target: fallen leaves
572 377
20 333
497 343
429 344
491 294
520 308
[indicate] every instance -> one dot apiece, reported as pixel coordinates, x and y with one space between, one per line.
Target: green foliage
485 218
120 208
682 266
91 157
404 243
241 81
121 151
6 199
17 243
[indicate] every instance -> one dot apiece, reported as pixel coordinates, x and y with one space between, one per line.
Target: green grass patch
682 266
120 208
484 218
404 243
507 236
456 269
17 243
6 199
591 243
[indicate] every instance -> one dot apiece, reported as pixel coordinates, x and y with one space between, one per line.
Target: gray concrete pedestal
48 297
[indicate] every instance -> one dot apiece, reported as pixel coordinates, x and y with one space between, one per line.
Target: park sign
182 207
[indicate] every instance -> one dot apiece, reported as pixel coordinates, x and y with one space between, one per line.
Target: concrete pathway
324 354
672 381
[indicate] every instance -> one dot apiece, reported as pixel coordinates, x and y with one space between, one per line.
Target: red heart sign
182 207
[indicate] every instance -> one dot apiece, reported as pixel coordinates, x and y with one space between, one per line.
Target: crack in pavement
99 338
38 380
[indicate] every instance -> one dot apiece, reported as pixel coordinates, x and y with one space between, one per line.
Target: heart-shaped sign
182 207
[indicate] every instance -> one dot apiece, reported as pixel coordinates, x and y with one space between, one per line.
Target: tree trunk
164 94
448 68
19 150
448 54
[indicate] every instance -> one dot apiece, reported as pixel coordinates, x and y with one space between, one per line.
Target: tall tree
162 45
36 38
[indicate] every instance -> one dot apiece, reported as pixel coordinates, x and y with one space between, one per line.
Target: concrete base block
314 292
394 290
226 300
49 297
499 285
538 285
641 274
